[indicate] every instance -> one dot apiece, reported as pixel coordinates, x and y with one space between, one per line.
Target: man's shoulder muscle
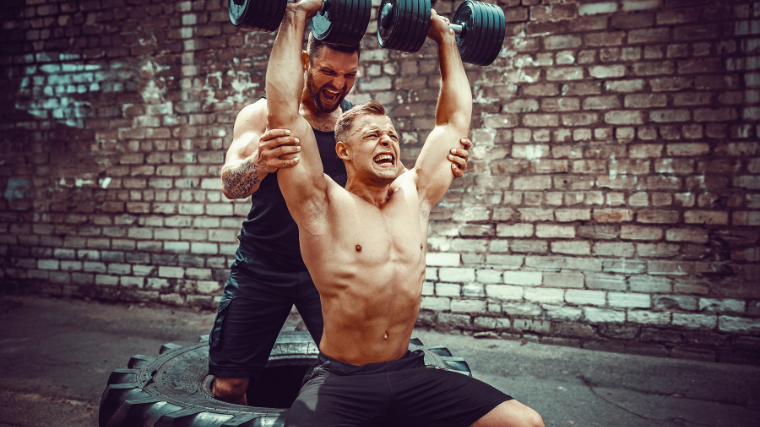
252 117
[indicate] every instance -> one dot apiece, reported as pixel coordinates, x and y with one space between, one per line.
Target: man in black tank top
268 275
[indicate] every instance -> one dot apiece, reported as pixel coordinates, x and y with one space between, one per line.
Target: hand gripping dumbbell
341 22
479 27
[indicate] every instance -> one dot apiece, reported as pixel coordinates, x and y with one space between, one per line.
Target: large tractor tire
173 389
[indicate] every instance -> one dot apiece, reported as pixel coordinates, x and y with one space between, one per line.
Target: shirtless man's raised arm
452 117
304 185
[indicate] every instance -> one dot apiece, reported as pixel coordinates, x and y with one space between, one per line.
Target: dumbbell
479 27
341 22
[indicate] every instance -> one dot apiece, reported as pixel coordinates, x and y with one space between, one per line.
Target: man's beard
314 91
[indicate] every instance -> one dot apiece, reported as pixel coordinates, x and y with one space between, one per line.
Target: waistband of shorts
410 359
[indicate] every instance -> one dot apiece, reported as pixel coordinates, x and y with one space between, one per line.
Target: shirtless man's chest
369 266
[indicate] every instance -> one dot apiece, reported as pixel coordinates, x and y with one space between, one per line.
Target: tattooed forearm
242 180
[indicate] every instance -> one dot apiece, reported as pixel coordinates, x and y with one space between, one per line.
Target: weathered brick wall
612 201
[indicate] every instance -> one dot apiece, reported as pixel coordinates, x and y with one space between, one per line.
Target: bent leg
510 414
231 390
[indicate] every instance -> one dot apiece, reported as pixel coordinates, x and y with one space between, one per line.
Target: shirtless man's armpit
364 246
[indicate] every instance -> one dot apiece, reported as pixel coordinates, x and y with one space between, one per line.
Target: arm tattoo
241 180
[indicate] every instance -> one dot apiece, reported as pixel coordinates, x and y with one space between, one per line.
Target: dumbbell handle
458 28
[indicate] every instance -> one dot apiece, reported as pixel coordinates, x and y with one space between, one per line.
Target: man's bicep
433 167
304 184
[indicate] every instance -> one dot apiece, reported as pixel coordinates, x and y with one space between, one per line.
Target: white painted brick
122 269
219 209
600 315
71 265
94 267
177 247
514 230
102 279
473 290
715 305
48 264
432 303
606 281
597 8
494 307
739 324
142 270
156 283
175 272
645 283
198 273
504 292
695 321
565 279
428 288
132 282
442 259
619 299
546 295
448 290
645 317
526 278
204 248
560 312
431 273
457 274
208 287
489 276
468 306
584 297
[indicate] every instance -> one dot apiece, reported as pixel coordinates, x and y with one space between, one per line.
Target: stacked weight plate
261 15
342 22
481 39
403 24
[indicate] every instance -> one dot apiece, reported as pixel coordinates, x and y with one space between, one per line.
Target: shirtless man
268 275
365 249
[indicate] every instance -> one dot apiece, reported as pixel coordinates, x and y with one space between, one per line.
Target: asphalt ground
56 356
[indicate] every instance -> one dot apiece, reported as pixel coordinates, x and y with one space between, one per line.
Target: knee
533 419
230 390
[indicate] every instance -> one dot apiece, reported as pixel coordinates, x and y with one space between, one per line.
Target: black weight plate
423 27
483 15
342 31
462 17
245 14
347 32
383 32
393 32
365 11
341 13
496 39
407 23
361 20
391 35
469 43
274 14
412 24
322 23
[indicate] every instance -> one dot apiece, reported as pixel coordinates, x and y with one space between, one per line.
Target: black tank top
269 234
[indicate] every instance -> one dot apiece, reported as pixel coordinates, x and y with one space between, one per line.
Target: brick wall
612 201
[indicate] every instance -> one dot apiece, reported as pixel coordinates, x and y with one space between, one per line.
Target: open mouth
384 159
330 95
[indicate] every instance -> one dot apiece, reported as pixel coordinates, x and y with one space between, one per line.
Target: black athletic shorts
255 304
402 392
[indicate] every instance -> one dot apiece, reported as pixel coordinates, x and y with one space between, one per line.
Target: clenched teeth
383 157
